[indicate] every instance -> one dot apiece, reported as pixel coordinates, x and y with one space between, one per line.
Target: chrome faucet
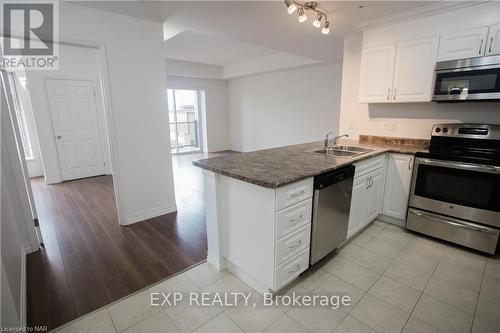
327 140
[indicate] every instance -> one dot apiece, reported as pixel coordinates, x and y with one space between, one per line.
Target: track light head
326 28
290 6
317 21
302 15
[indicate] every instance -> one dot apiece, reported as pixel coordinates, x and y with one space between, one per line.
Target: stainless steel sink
343 151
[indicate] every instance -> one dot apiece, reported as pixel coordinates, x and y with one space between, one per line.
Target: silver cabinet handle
480 46
297 219
394 95
297 267
461 224
296 245
367 183
409 163
388 93
297 194
491 44
59 137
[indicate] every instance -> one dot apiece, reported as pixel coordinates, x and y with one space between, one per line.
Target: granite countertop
273 168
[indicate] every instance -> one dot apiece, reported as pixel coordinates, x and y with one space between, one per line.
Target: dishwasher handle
333 177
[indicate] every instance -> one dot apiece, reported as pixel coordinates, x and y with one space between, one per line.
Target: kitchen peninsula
258 204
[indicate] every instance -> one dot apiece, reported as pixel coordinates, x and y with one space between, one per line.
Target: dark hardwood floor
89 260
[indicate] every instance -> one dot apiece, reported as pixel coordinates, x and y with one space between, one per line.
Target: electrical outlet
390 126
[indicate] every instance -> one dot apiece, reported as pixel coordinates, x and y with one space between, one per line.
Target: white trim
243 276
214 260
432 9
150 213
23 308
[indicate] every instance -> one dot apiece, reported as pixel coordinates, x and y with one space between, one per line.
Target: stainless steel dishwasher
331 206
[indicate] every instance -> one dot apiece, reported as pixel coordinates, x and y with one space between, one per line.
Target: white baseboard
392 220
243 276
218 263
150 213
23 314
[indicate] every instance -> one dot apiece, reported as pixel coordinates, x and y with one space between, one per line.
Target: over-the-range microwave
472 79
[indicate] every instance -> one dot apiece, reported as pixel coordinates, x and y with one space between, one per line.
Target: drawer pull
295 270
296 245
297 194
297 219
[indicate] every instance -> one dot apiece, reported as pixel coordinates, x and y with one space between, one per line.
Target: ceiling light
302 15
302 8
326 28
317 21
290 7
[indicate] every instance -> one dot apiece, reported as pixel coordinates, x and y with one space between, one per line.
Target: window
20 115
184 117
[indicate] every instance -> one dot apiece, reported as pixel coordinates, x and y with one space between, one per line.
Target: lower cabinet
367 193
397 185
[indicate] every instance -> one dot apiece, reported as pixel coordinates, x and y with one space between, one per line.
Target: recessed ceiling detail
320 13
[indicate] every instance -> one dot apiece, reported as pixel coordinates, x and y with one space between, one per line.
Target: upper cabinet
493 43
463 44
470 43
377 71
399 72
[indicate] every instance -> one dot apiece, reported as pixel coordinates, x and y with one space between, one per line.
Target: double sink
343 151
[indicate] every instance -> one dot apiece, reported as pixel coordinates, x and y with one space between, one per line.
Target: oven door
462 190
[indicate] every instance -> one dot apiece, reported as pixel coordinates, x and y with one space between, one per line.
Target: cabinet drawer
367 166
292 244
288 271
292 193
291 218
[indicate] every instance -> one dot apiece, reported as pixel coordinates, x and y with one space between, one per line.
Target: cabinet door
493 44
397 185
357 211
462 44
414 70
374 195
377 71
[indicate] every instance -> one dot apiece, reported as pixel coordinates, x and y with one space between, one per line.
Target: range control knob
438 129
445 129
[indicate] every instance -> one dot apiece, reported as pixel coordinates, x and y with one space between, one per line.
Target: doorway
184 117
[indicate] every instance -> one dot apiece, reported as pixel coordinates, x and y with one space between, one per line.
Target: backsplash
363 138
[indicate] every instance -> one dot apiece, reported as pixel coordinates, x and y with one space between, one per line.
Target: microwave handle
457 165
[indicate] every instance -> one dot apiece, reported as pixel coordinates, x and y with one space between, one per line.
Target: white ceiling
224 32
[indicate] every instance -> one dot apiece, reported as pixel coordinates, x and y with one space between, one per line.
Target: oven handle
461 224
458 165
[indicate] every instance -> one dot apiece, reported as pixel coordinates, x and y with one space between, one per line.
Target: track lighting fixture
321 14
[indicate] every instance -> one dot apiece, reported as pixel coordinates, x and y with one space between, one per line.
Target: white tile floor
398 282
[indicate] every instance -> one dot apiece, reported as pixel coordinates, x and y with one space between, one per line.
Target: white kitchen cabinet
397 185
377 70
414 70
399 72
493 43
367 193
374 195
463 44
357 211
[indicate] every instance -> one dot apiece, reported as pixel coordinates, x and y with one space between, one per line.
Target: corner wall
285 107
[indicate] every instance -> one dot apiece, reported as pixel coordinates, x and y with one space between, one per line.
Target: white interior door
76 127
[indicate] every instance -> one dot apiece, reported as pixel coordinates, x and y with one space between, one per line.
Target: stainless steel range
455 191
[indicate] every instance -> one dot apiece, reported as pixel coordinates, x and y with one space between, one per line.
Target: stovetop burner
469 143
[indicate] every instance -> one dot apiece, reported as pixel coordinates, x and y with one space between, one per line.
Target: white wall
76 63
282 108
215 121
411 119
141 145
193 69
